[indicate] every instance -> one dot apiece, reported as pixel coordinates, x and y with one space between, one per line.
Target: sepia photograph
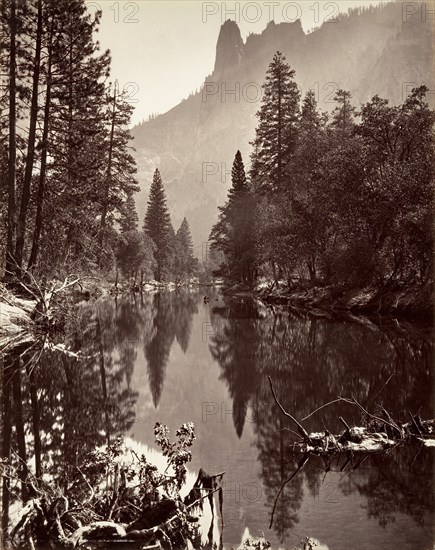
216 275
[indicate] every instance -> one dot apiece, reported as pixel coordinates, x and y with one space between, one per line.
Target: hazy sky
163 49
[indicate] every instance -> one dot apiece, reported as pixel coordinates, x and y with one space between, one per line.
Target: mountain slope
371 51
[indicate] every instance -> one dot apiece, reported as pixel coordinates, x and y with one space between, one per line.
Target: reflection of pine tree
393 487
233 345
185 305
91 396
276 462
158 348
127 358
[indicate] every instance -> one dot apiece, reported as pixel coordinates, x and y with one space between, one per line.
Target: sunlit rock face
366 52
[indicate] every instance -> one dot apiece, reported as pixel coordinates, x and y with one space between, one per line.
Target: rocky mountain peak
229 48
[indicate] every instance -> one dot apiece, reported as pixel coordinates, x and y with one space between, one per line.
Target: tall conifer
157 225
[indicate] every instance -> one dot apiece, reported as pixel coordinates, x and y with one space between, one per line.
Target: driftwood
381 432
42 309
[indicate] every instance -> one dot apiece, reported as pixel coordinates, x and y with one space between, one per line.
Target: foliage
347 202
177 453
137 498
184 264
276 134
233 234
134 254
157 225
69 168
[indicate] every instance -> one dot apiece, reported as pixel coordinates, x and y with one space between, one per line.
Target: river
174 357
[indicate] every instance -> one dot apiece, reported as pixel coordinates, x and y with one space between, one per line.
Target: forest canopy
342 198
66 154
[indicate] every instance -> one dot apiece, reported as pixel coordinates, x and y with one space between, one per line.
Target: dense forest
66 157
340 199
344 199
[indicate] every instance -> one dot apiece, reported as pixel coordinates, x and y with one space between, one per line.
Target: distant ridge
368 51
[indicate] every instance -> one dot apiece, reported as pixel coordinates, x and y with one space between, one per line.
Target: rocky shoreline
411 301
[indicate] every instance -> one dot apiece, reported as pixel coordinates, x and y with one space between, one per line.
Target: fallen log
380 433
97 530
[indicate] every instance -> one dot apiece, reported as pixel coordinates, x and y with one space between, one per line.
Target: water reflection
182 353
171 318
312 360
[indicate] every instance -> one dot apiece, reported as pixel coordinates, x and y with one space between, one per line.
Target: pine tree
46 72
310 120
343 115
239 187
308 212
31 141
157 225
184 262
129 219
75 143
9 29
276 134
233 234
119 178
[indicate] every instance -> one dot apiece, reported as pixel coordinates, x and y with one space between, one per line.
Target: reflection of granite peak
229 48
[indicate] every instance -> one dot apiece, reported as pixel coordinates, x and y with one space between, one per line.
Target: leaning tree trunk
25 195
12 158
43 169
108 178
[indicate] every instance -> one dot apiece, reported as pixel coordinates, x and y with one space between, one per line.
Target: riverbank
27 308
15 313
407 301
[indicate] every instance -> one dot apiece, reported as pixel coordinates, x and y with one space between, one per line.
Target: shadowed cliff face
229 49
369 52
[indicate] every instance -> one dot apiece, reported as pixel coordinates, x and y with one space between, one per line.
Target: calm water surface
172 358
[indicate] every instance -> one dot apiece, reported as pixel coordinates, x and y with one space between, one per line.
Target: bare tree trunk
311 268
71 229
42 174
108 175
25 196
10 263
